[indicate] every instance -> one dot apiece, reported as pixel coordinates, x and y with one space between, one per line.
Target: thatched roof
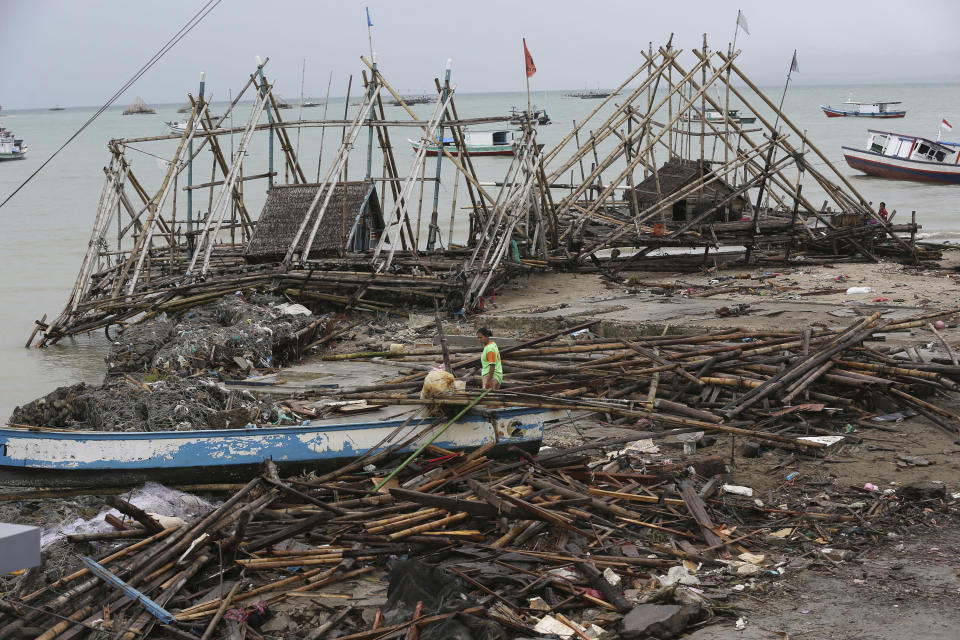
287 205
138 106
676 174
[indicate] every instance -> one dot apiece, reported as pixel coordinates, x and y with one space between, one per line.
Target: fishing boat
588 94
716 116
411 99
903 157
11 148
34 456
181 126
478 143
518 116
864 110
310 102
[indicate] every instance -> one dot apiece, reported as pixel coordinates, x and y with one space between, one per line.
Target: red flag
531 68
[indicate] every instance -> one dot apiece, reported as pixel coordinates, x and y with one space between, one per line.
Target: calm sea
47 225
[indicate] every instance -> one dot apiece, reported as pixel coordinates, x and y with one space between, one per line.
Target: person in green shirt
491 370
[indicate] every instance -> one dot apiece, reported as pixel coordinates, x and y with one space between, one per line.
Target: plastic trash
859 290
738 490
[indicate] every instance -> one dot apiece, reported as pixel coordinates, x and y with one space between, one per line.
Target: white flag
742 22
793 65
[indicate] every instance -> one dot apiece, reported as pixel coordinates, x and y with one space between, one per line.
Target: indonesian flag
531 68
946 125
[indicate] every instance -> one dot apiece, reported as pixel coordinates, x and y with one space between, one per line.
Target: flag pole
770 155
527 76
783 96
369 32
736 29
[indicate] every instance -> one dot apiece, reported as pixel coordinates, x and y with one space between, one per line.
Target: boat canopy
904 146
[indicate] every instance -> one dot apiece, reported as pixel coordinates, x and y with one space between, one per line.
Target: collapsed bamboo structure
657 171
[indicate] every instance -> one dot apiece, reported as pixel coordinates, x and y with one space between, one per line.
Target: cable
172 42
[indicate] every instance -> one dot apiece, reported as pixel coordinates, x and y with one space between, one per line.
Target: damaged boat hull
72 458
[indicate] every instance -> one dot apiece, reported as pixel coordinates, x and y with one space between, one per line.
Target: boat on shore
899 156
478 143
11 148
55 457
864 110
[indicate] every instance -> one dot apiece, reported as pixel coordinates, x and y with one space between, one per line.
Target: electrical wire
172 42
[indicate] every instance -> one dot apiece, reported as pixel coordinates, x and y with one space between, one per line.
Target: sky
75 53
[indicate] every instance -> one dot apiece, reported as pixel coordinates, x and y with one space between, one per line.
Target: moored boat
11 148
181 126
715 116
478 143
31 456
518 116
864 110
903 157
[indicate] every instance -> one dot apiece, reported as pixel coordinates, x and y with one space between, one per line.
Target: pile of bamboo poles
766 385
576 536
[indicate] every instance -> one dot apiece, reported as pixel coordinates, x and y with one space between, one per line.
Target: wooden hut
353 215
138 107
677 174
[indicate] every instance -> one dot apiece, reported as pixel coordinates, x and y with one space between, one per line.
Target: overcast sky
77 53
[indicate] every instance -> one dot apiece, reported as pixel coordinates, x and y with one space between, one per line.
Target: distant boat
281 103
139 107
56 108
864 110
715 116
181 126
186 108
422 99
589 94
10 147
310 102
540 116
904 157
478 143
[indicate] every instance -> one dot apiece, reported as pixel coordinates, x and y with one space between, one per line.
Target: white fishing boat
181 126
11 148
904 157
478 143
880 109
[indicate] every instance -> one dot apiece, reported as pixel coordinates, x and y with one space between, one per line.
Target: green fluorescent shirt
491 356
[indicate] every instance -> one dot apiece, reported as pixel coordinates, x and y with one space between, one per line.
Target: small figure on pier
491 369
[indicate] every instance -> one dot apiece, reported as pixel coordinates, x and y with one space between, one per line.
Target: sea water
46 227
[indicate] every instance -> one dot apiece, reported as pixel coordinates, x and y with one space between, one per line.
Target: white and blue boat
853 109
53 457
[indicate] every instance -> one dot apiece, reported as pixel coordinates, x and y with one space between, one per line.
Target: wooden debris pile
526 545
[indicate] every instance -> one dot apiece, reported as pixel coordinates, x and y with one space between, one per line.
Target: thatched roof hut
287 205
676 174
138 107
